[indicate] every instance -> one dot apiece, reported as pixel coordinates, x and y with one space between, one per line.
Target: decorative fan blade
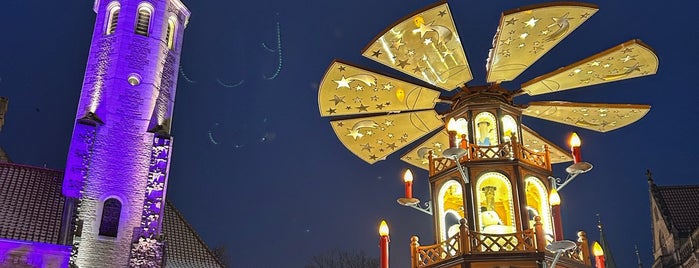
418 156
630 59
594 116
347 89
424 45
374 138
525 34
534 141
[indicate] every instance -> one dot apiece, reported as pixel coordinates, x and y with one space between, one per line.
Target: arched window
486 130
111 212
451 208
509 127
538 204
145 11
112 17
494 204
170 34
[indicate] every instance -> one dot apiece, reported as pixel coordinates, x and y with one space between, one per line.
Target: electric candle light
451 130
408 179
599 255
555 202
575 147
383 243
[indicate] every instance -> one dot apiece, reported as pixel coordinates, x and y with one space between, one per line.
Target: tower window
143 19
111 212
112 17
171 30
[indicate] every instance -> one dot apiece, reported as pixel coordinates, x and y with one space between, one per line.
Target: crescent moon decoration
628 71
369 80
279 50
186 78
229 85
365 124
563 27
443 34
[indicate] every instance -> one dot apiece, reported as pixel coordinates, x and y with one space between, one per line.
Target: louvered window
113 17
111 212
143 21
170 35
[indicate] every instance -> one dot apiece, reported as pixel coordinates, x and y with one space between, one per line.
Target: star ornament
342 82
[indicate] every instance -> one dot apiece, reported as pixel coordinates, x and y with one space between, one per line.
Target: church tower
117 166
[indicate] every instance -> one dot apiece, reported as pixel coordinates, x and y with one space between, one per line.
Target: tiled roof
183 247
681 206
31 203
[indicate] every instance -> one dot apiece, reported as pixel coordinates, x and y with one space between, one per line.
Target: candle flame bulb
408 176
554 198
383 228
597 250
575 140
451 125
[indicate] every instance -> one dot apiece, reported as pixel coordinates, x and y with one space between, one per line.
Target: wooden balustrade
509 150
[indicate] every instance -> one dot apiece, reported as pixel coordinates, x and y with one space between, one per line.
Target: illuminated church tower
117 167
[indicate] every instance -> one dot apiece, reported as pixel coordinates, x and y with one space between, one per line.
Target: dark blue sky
279 187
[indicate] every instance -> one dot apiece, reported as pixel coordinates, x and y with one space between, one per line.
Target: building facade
108 208
675 217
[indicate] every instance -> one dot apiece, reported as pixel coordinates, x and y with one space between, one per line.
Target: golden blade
534 141
418 156
594 116
424 45
374 138
347 89
525 34
628 60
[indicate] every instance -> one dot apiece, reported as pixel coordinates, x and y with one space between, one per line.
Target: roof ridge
196 235
29 166
685 186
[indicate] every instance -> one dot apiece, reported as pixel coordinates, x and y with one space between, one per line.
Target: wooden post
430 158
516 150
582 238
547 156
414 257
465 244
539 232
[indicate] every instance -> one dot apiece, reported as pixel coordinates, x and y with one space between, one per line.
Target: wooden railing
473 243
510 150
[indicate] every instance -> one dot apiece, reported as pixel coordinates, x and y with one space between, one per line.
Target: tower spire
638 256
608 258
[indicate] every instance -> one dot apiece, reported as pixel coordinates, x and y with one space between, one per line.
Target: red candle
408 179
451 130
575 147
555 202
599 255
383 243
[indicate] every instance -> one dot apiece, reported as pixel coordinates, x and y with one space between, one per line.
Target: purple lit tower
117 167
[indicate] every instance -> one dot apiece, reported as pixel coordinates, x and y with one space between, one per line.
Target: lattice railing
427 255
534 158
514 242
508 150
492 152
575 253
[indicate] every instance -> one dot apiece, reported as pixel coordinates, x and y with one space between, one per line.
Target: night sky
255 167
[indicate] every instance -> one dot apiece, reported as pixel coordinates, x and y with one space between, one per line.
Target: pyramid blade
628 60
525 34
593 116
373 138
535 142
424 45
347 90
418 156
